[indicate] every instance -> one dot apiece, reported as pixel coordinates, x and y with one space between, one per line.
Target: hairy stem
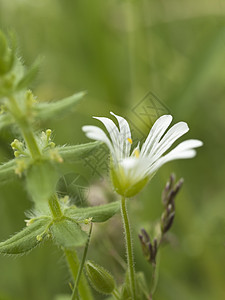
25 128
129 248
73 263
55 207
75 290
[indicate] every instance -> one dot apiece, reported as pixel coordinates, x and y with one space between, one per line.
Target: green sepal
123 186
68 234
50 110
100 278
41 179
5 120
97 213
7 171
26 239
29 76
76 152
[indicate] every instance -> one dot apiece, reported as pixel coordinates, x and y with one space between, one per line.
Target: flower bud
101 280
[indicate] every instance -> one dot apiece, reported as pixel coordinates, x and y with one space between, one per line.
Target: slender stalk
154 277
75 290
25 129
129 248
73 263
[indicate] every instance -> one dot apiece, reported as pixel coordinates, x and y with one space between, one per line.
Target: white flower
131 170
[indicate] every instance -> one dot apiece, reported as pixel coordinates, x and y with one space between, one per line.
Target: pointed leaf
7 171
76 152
7 55
29 76
98 213
26 239
53 109
3 44
62 297
68 234
5 120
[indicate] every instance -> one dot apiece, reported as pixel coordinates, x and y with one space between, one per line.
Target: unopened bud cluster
19 148
168 200
150 246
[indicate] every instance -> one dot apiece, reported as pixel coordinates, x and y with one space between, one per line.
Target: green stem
116 295
30 139
74 295
25 128
129 248
55 207
73 264
154 277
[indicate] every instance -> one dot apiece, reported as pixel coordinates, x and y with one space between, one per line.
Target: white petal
182 151
156 132
169 157
129 163
125 134
114 134
169 138
96 133
188 144
134 168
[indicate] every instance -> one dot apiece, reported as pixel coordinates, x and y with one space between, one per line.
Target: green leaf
26 239
98 213
41 179
76 152
58 108
3 44
7 171
5 120
7 55
62 297
29 76
68 234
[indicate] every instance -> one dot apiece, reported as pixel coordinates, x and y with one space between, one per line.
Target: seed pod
101 280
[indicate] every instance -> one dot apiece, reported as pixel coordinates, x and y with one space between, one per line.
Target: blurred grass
118 51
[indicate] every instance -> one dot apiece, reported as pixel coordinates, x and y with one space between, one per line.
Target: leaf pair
65 232
67 153
46 110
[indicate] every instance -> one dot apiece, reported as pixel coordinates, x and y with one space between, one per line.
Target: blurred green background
119 50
